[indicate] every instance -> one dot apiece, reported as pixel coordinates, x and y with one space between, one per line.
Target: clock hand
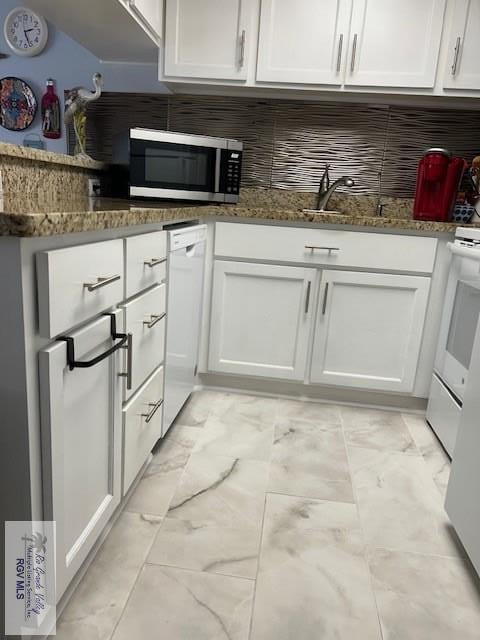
27 38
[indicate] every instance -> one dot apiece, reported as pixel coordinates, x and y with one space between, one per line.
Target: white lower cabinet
142 424
369 330
261 319
81 440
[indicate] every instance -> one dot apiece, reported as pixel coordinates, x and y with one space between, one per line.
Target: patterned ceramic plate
18 104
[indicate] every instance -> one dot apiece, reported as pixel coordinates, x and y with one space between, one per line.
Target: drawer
142 426
443 413
77 283
145 261
145 320
332 248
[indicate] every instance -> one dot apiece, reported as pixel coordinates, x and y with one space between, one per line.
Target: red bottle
51 112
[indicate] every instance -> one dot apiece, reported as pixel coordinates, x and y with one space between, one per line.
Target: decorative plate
18 104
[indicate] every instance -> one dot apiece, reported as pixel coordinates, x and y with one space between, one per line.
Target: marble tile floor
273 519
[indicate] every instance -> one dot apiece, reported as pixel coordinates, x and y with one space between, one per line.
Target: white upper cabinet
303 41
369 330
463 67
395 44
150 13
210 39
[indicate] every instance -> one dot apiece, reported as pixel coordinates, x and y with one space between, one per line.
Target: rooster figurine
75 105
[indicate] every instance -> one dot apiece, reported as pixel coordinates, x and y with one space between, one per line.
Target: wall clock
26 32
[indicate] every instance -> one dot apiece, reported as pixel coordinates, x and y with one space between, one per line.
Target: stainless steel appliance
185 289
457 334
167 165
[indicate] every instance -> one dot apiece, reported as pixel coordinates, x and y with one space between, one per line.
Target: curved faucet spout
323 198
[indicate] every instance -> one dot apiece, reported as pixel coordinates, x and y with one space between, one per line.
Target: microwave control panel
231 171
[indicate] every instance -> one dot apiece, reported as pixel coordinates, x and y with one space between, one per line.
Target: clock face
26 32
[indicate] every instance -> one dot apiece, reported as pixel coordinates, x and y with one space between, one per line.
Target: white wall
70 65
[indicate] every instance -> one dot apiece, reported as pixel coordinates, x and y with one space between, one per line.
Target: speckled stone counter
32 217
39 155
34 172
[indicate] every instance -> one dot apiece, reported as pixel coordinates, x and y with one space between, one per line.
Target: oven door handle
218 168
464 252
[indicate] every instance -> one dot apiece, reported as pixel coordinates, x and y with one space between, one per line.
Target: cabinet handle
455 56
243 37
314 247
154 261
307 297
354 53
339 54
101 282
325 296
128 374
86 364
153 320
156 406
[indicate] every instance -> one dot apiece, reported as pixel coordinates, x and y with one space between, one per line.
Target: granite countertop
39 155
26 217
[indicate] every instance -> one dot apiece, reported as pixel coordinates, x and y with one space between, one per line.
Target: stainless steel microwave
167 165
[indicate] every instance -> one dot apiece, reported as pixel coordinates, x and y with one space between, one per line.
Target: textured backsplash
287 143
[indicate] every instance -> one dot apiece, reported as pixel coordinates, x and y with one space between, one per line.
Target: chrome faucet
324 195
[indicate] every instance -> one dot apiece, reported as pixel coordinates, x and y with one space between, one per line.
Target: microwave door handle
218 162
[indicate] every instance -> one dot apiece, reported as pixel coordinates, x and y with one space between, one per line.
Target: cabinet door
150 12
394 44
261 318
463 69
303 41
81 444
208 39
369 330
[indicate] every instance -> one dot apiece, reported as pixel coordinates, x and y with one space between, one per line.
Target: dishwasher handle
85 364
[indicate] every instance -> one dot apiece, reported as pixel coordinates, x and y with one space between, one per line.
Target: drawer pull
154 319
325 297
85 364
154 261
128 374
314 247
156 406
101 282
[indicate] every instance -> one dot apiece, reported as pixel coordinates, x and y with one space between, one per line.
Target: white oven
457 334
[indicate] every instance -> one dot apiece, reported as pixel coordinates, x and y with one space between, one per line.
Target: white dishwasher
186 259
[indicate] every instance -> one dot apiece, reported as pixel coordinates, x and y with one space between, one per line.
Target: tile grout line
262 528
364 550
133 585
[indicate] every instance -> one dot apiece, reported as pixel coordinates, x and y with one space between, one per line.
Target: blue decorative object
463 213
33 141
18 104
